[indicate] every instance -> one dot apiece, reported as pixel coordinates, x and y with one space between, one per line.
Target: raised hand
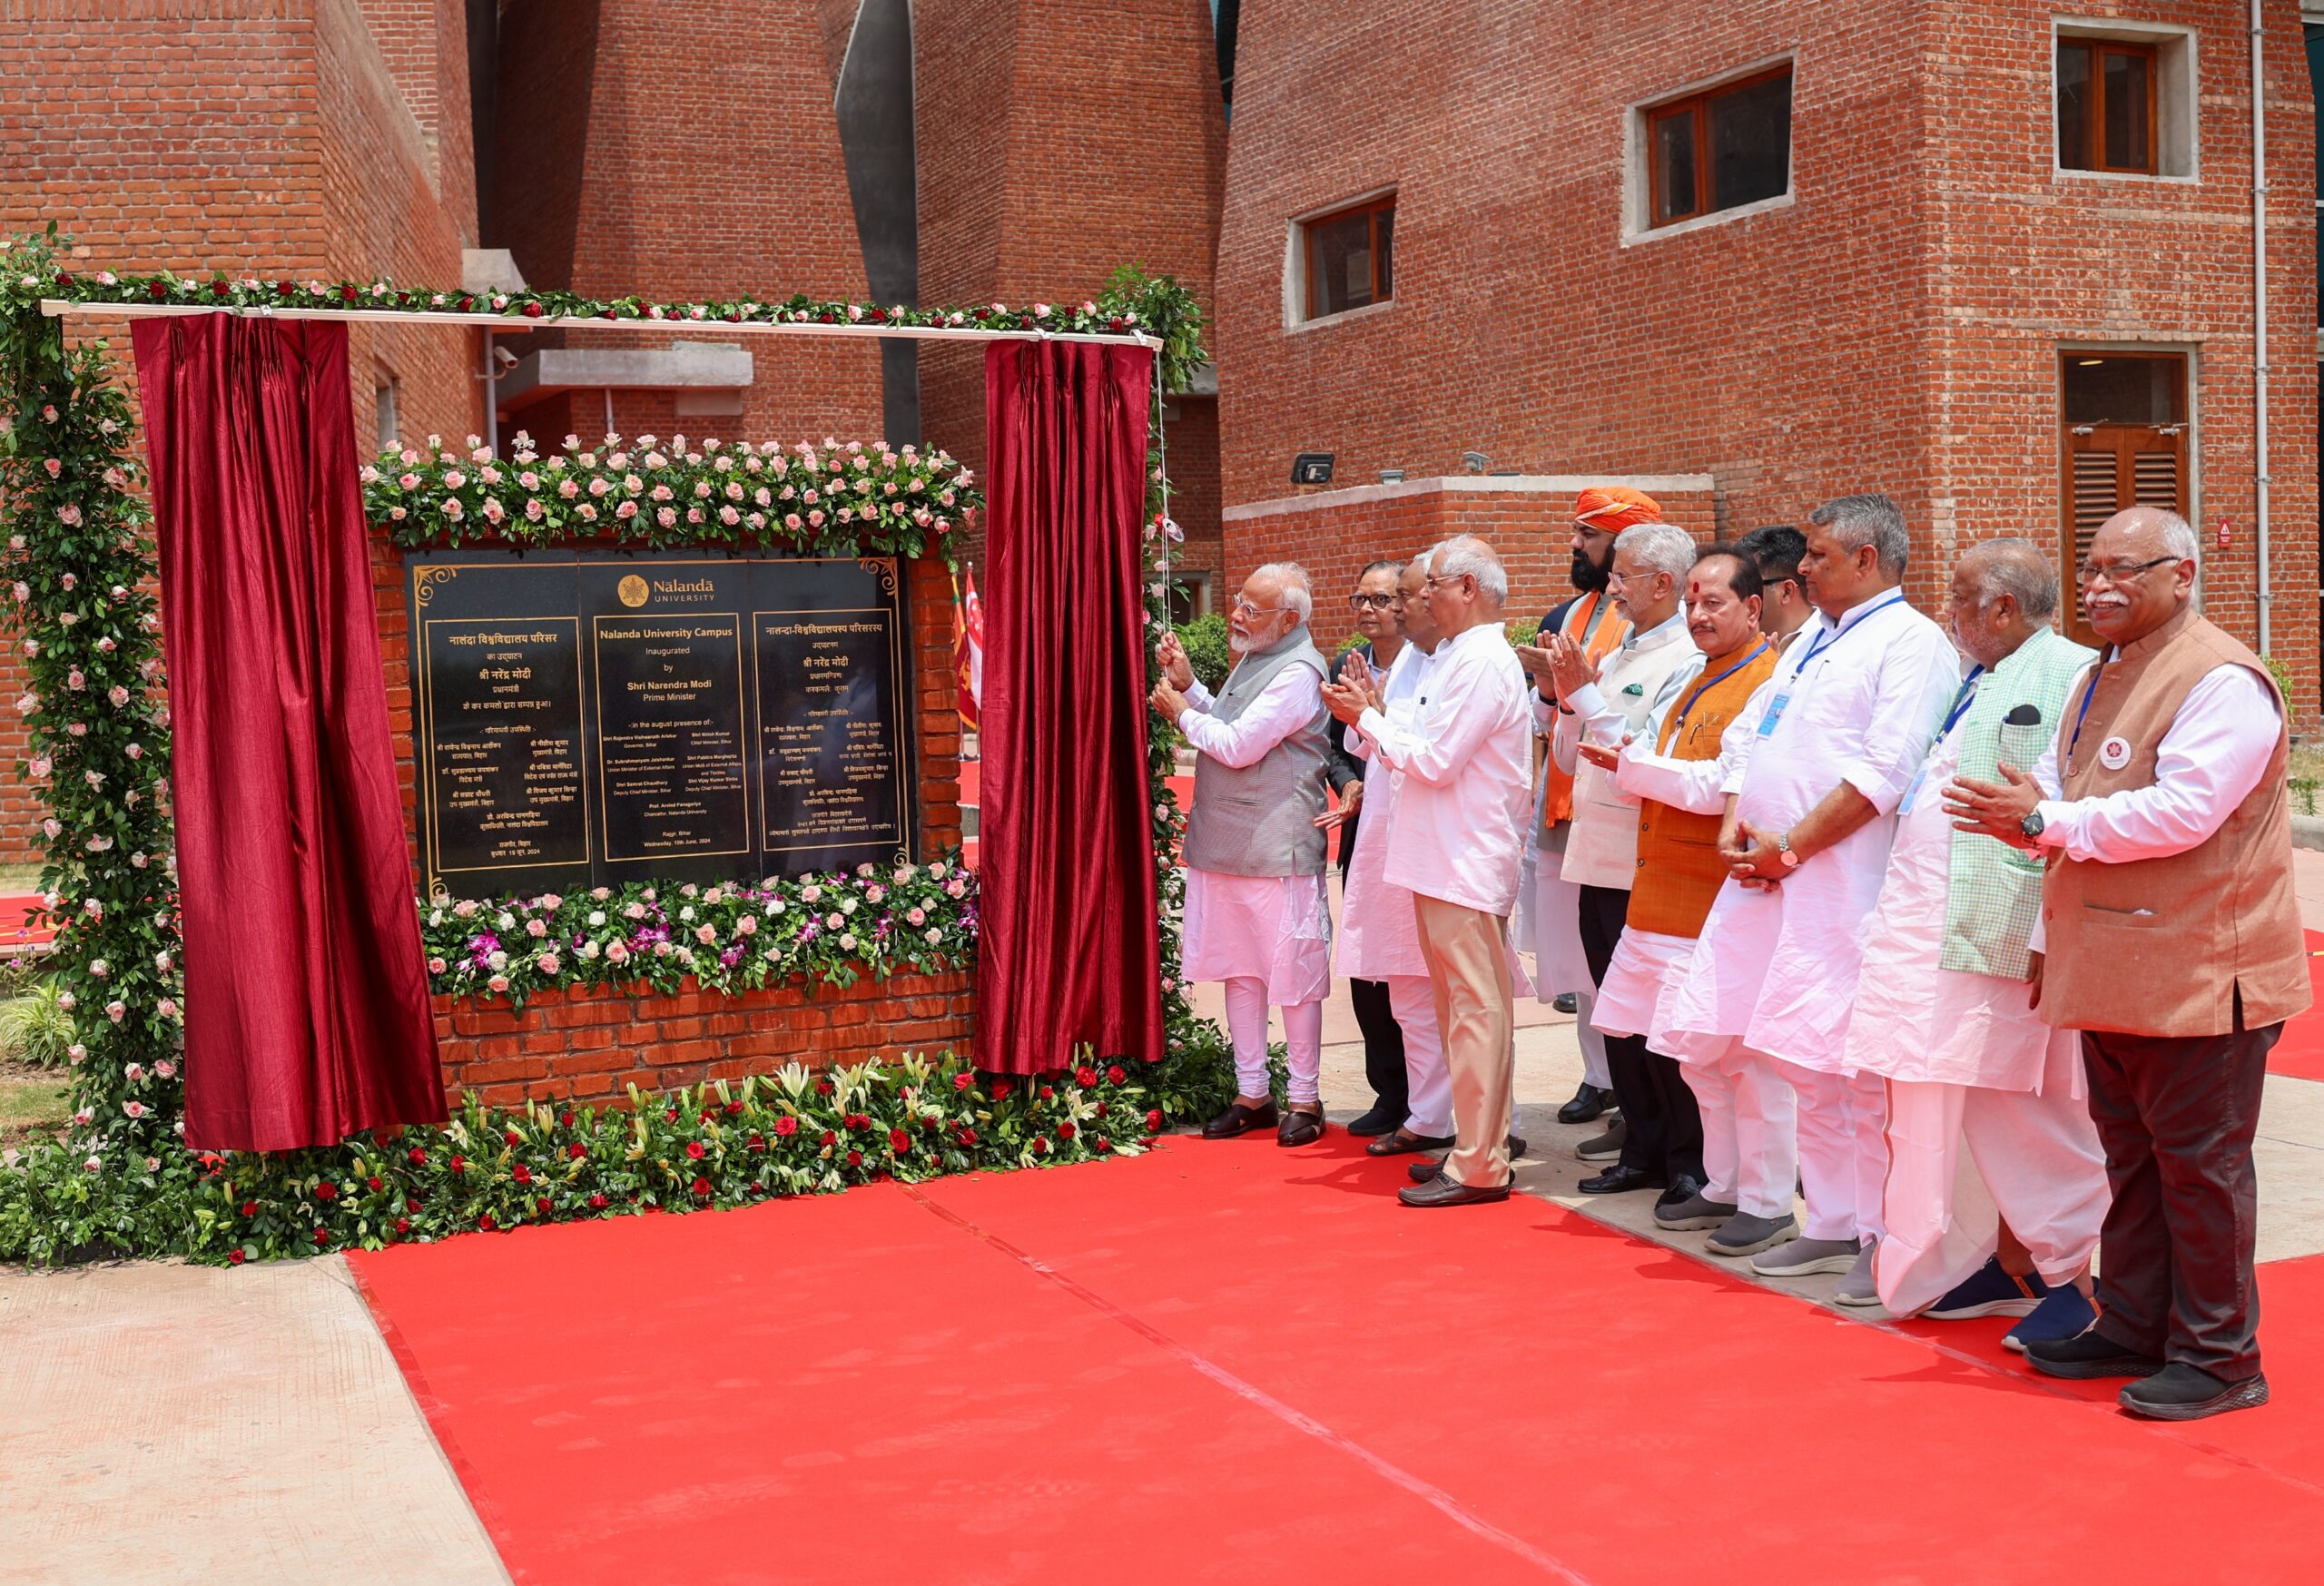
1171 656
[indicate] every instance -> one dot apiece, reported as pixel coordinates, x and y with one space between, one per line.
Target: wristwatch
1784 851
2033 826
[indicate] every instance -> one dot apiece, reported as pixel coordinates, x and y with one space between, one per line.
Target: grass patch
32 1102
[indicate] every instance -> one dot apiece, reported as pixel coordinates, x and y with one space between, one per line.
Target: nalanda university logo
632 590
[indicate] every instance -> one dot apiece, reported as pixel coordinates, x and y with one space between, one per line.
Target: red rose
964 1081
577 1150
1114 1075
855 1158
968 1137
62 279
512 1137
411 1205
930 1123
786 1124
607 312
1041 1145
1000 1089
822 1087
220 287
465 304
1115 326
827 317
565 1119
877 316
1065 1131
830 1138
416 1157
695 1150
326 1190
250 1208
486 1223
898 1140
758 1142
532 310
599 1203
701 1187
1154 1120
524 1174
1047 1094
322 1235
709 1115
671 1115
1085 1076
980 313
157 290
346 294
403 1225
234 1258
1101 1109
375 1183
732 1108
541 1205
460 1164
284 289
1100 1144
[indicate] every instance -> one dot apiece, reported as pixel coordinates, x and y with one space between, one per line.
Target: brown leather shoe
1239 1119
1301 1126
1426 1168
1443 1191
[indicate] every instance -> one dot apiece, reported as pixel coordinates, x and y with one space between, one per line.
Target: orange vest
1679 869
1557 804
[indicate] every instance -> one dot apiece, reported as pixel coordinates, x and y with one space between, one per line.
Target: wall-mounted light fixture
1312 467
1392 476
1476 462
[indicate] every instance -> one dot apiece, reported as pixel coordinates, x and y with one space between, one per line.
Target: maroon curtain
1067 940
305 996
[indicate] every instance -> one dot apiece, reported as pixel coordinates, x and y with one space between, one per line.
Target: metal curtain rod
61 308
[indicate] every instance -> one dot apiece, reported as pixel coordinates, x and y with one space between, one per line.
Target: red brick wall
1058 139
1895 327
629 161
1334 534
591 1046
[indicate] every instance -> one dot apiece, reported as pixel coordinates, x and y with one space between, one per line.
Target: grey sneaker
1806 1256
1742 1234
1605 1148
1858 1289
1694 1212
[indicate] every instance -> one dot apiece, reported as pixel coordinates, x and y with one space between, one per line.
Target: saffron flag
968 649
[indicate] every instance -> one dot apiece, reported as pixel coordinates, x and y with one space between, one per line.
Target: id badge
1774 713
1904 804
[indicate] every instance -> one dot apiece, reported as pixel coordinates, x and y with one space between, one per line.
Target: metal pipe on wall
2259 317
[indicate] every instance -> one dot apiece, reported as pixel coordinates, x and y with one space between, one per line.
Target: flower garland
80 568
828 929
833 500
30 280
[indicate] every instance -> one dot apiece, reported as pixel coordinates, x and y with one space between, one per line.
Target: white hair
1298 589
1421 563
1659 547
2178 537
1464 556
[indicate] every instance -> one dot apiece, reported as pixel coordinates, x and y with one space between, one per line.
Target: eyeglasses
1626 577
1373 602
1247 609
2116 572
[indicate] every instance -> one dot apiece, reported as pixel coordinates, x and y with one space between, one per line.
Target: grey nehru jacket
1260 819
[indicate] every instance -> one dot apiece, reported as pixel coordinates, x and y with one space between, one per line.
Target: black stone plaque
591 717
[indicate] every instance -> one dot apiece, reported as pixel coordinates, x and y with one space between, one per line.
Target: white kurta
1379 934
1278 929
1914 1020
1857 701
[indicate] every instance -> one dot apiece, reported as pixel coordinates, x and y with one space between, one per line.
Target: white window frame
1638 182
1294 262
2178 97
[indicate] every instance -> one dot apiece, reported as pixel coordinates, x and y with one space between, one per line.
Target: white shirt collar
1661 633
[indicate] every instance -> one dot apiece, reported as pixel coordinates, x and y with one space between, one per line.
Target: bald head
2140 573
2004 591
1466 584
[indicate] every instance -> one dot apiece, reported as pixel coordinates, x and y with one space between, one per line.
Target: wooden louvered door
2109 466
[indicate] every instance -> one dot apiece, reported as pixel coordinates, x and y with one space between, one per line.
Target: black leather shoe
1400 1144
1588 1104
1239 1119
1443 1191
1300 1128
2087 1356
1621 1181
1566 1003
2179 1392
1686 1187
1379 1120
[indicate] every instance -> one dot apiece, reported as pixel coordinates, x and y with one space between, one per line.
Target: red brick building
1796 250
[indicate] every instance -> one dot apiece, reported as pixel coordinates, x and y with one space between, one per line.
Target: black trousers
1384 1046
2176 1115
1664 1129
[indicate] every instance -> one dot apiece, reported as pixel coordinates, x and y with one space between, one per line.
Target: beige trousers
1467 952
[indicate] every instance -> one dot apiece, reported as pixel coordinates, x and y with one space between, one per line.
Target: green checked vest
1996 890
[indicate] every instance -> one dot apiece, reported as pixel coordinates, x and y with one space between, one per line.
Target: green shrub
1205 642
34 1029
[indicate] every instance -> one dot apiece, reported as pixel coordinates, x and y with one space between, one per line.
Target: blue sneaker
1990 1291
2063 1315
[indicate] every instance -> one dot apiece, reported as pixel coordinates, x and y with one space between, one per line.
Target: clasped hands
1752 858
1357 691
1560 664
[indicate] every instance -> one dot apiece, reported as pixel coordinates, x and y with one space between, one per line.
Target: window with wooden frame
2124 444
2107 110
1721 149
1350 257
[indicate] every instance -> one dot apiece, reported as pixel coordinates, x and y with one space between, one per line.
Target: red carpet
2300 1051
17 932
1227 1362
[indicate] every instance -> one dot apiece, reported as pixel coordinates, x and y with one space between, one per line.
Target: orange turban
1615 508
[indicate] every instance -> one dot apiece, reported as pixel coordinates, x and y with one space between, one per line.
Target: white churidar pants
1750 1149
1429 1083
1303 1036
1843 1120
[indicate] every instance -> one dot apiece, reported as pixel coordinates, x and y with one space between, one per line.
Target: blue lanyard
1830 636
2096 667
1960 701
1678 722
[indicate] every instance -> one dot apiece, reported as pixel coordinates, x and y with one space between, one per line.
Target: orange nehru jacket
1679 867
